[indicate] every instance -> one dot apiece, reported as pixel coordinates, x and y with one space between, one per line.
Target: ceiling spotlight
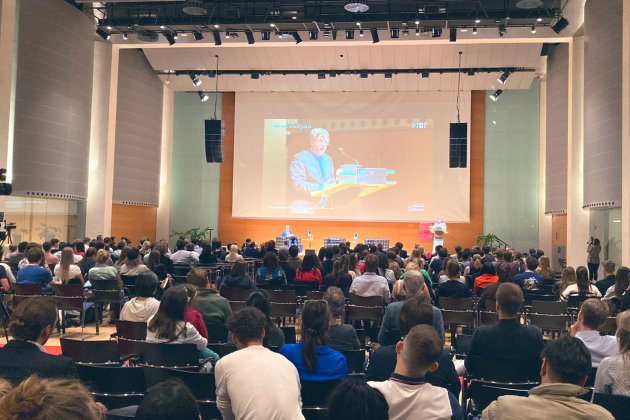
228 35
250 37
162 27
216 26
405 32
349 33
109 28
539 19
464 29
297 37
195 8
394 33
474 30
103 34
217 37
363 75
436 32
361 33
417 31
534 28
198 35
417 22
273 25
375 38
425 74
326 34
266 35
169 37
502 29
496 94
321 76
203 96
124 36
357 6
560 25
477 20
504 76
388 74
255 76
313 34
196 81
334 34
453 35
175 35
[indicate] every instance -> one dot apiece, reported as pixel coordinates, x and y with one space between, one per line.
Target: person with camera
593 250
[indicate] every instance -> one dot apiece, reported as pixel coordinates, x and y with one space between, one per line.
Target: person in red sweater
487 277
193 315
309 271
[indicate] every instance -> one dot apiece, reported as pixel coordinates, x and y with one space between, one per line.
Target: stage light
321 76
217 37
297 37
196 81
394 33
255 76
109 28
502 29
388 74
124 36
496 94
453 35
436 32
216 26
198 35
417 22
103 34
534 28
361 33
363 75
169 37
477 21
504 76
425 74
250 37
560 25
203 96
539 19
334 34
405 32
175 35
464 29
312 35
349 33
474 30
162 27
228 35
266 35
273 25
375 38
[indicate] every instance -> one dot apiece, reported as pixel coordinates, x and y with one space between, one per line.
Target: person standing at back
593 250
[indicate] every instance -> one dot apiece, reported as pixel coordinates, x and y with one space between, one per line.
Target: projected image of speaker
215 130
458 147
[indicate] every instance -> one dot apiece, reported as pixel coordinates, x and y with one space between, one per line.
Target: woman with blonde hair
613 373
582 287
545 270
67 272
568 278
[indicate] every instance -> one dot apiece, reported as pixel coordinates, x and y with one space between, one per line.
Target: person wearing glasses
312 169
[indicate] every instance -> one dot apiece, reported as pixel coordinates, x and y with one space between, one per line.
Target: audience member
591 317
16 256
327 262
30 326
341 337
544 269
132 266
33 272
530 279
192 314
47 399
453 286
613 372
407 392
507 351
51 260
251 251
274 337
309 271
238 277
583 287
383 268
568 278
184 255
294 261
353 399
341 275
214 308
283 261
413 283
370 283
66 272
314 360
271 273
233 254
416 310
622 281
488 276
254 381
168 400
490 291
103 270
437 264
565 367
144 305
609 277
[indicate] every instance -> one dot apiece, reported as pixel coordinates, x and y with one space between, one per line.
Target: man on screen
312 169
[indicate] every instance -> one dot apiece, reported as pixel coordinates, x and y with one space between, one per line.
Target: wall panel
135 222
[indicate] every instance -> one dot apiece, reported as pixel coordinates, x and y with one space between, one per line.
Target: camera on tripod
8 227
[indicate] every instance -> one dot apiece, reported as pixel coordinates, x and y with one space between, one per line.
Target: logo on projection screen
415 208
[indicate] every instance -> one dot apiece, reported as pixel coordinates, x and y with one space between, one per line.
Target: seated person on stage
592 315
612 374
415 311
565 367
314 360
254 382
353 399
507 351
32 322
33 272
341 337
609 277
453 287
407 392
530 279
271 272
413 283
370 283
214 308
309 271
238 277
144 305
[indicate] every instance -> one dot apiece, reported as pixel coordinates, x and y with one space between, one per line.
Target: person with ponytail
314 360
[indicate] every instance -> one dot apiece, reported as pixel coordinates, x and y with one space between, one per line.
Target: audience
168 400
66 272
591 317
283 261
30 326
233 254
238 277
132 266
582 287
407 392
271 273
341 337
507 351
214 308
490 291
568 278
192 314
370 283
314 360
33 272
309 272
184 254
144 305
488 276
453 286
274 337
612 374
254 381
353 399
609 277
530 279
565 367
622 281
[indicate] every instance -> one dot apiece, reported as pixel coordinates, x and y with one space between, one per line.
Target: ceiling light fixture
349 33
453 35
425 74
474 31
266 35
560 24
250 37
196 80
217 37
103 34
125 36
496 94
436 32
375 38
417 31
203 96
297 37
394 33
504 76
198 35
361 33
477 20
195 8
356 6
313 34
169 37
534 28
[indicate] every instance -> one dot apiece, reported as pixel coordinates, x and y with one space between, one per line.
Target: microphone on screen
350 157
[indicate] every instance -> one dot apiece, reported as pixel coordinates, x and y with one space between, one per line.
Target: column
164 210
544 220
625 145
8 65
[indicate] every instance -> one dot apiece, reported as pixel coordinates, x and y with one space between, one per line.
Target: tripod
6 235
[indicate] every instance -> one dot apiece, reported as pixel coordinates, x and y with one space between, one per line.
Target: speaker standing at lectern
312 169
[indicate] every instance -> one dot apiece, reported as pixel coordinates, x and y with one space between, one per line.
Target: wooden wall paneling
135 222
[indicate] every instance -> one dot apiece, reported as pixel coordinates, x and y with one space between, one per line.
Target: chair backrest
491 305
107 296
365 300
488 318
237 305
26 289
179 279
67 290
303 287
112 379
365 313
551 322
282 296
201 384
131 330
315 413
317 392
209 410
617 405
314 295
222 349
217 333
456 304
576 300
355 360
69 296
105 284
505 369
452 317
102 351
548 307
129 281
283 309
610 326
235 293
484 392
160 354
181 269
290 336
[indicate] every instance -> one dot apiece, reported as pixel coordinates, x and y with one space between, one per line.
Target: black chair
609 327
222 349
365 300
456 304
25 291
290 336
179 280
314 295
105 292
235 293
237 305
590 380
201 384
209 410
315 413
70 297
391 337
479 394
283 310
537 294
131 330
114 386
461 345
181 269
617 405
364 313
101 351
316 393
549 322
217 333
488 318
549 307
575 300
302 288
282 296
505 369
129 283
355 360
159 354
452 319
5 317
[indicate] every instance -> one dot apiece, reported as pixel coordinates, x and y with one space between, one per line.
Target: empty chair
479 394
70 297
201 384
542 295
549 322
102 351
105 292
549 307
283 309
456 304
355 360
617 405
131 330
235 293
365 300
314 295
282 296
217 333
159 354
316 393
455 318
303 288
364 313
25 291
114 386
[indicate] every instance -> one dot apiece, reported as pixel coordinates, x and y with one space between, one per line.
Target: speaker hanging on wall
458 146
214 141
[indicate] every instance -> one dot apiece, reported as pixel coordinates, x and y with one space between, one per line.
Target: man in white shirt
370 283
254 382
185 254
591 317
407 393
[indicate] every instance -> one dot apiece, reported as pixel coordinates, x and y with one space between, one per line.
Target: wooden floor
89 333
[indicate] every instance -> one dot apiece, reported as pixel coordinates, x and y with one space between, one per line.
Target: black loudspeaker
458 147
214 141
